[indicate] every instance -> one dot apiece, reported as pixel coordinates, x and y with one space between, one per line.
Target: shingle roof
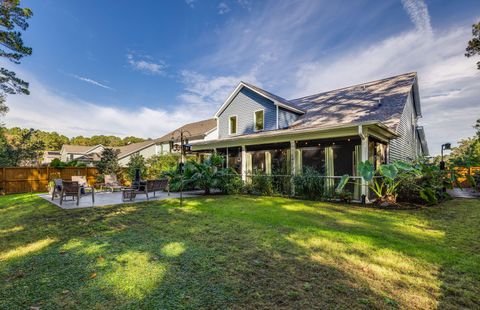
133 147
79 149
381 100
197 130
267 94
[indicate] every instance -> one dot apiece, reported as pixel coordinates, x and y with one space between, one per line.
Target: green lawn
238 252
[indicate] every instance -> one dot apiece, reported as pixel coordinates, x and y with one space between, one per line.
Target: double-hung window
259 120
232 125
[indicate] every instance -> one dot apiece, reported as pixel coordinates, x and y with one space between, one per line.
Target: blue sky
145 67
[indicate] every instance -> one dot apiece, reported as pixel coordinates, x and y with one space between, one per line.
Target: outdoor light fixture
445 146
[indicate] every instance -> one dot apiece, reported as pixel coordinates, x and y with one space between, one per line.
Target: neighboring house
194 132
81 153
48 156
331 132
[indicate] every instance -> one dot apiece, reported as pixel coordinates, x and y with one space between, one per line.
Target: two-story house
331 131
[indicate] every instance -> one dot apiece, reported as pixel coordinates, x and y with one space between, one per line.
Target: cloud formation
418 12
223 8
90 81
145 64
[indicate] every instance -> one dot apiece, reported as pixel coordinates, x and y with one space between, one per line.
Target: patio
109 198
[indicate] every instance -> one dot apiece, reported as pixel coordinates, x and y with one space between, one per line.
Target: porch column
363 156
293 169
244 163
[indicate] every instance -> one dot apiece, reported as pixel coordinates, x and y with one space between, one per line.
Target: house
193 132
331 132
48 156
81 153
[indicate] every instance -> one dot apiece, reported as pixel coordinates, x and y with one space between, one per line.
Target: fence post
4 180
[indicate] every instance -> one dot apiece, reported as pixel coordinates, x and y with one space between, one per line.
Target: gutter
286 132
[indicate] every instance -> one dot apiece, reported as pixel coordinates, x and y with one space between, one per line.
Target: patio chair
111 182
73 189
57 188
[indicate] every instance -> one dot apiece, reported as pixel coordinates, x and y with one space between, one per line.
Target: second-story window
259 120
233 125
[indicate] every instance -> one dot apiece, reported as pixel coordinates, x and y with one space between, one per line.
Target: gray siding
243 106
285 118
407 145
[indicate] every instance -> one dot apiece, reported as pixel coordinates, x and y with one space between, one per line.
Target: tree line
21 146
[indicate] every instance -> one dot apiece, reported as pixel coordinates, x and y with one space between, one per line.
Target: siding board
243 106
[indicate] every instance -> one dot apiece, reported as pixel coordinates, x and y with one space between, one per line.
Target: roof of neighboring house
133 147
382 100
78 149
196 130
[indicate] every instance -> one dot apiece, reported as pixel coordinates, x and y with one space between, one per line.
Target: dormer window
232 125
259 120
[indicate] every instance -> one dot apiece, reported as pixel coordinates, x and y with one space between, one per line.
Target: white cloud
208 93
418 13
47 109
90 81
190 3
223 8
145 64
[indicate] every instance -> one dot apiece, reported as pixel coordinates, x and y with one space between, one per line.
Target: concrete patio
109 198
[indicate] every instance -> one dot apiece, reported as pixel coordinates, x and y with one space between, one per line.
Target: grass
238 252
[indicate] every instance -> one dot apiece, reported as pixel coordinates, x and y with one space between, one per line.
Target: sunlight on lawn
11 230
132 274
386 271
173 249
27 249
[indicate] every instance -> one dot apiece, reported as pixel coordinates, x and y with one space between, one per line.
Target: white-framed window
232 125
259 120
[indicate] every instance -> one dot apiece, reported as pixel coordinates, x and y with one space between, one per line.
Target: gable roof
77 149
133 147
382 100
278 101
197 130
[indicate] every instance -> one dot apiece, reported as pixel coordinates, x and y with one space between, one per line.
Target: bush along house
331 132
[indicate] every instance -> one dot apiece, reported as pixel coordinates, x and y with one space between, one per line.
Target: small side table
128 194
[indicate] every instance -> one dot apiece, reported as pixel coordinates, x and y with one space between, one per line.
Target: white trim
277 117
255 120
237 90
230 124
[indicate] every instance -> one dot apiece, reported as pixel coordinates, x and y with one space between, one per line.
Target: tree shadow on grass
160 256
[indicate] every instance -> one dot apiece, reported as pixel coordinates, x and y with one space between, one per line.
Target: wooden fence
30 179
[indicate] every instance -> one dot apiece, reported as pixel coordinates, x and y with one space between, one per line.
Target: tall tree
12 19
473 47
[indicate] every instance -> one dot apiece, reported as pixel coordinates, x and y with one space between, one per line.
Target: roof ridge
354 85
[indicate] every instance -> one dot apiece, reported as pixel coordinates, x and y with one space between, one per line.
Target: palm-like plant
385 185
206 175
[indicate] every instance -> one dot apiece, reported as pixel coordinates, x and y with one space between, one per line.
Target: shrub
309 185
261 184
108 163
137 161
425 186
230 182
158 164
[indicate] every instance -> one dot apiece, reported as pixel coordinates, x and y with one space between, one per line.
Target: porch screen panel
268 162
357 153
298 162
329 169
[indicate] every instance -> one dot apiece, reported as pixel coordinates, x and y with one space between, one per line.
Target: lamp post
183 146
445 146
